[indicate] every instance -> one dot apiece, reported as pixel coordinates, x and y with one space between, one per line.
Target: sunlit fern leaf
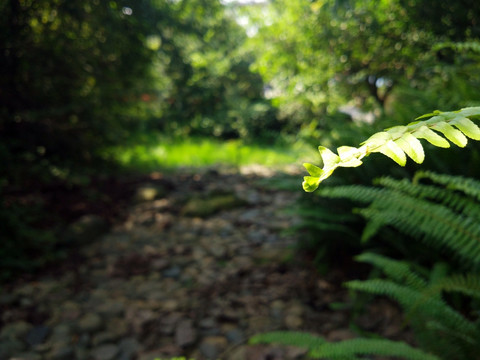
359 347
399 142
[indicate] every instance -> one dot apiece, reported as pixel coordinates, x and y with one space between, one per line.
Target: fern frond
468 284
397 270
469 186
365 194
435 225
413 300
356 347
294 338
458 202
399 142
409 210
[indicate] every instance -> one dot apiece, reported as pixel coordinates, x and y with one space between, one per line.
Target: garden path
199 264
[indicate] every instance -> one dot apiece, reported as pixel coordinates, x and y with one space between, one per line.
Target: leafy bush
25 245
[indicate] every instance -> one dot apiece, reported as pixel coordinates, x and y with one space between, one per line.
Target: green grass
164 153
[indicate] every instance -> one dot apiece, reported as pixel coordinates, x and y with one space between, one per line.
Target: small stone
243 262
258 324
128 348
90 323
293 321
152 355
37 335
26 356
172 272
105 352
295 309
207 323
10 347
70 311
149 192
159 264
16 330
170 305
293 352
185 333
277 309
169 323
235 336
118 327
61 352
103 338
209 206
212 346
81 353
239 353
112 308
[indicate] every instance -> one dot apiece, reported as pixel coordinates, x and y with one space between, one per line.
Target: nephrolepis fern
439 328
352 349
444 216
399 142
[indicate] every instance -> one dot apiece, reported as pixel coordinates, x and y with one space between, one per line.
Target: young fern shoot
399 141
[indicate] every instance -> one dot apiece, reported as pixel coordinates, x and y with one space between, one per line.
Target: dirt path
201 263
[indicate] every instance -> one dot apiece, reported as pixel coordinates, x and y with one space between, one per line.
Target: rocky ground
200 264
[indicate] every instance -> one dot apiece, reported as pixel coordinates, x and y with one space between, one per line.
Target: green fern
440 217
470 187
439 328
397 270
356 347
319 348
399 142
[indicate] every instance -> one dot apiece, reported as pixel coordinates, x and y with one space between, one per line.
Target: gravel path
201 263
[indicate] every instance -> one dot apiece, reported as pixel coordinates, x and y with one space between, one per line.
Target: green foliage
442 217
300 339
24 246
438 326
398 142
153 152
319 348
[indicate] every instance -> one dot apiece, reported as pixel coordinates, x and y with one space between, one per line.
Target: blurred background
96 93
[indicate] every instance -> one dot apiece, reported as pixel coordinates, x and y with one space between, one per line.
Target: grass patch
152 154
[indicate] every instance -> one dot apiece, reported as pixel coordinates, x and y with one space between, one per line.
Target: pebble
105 352
10 347
185 334
15 331
61 352
128 347
90 323
26 356
211 347
37 335
235 336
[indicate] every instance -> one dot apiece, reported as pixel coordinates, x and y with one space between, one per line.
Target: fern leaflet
399 142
